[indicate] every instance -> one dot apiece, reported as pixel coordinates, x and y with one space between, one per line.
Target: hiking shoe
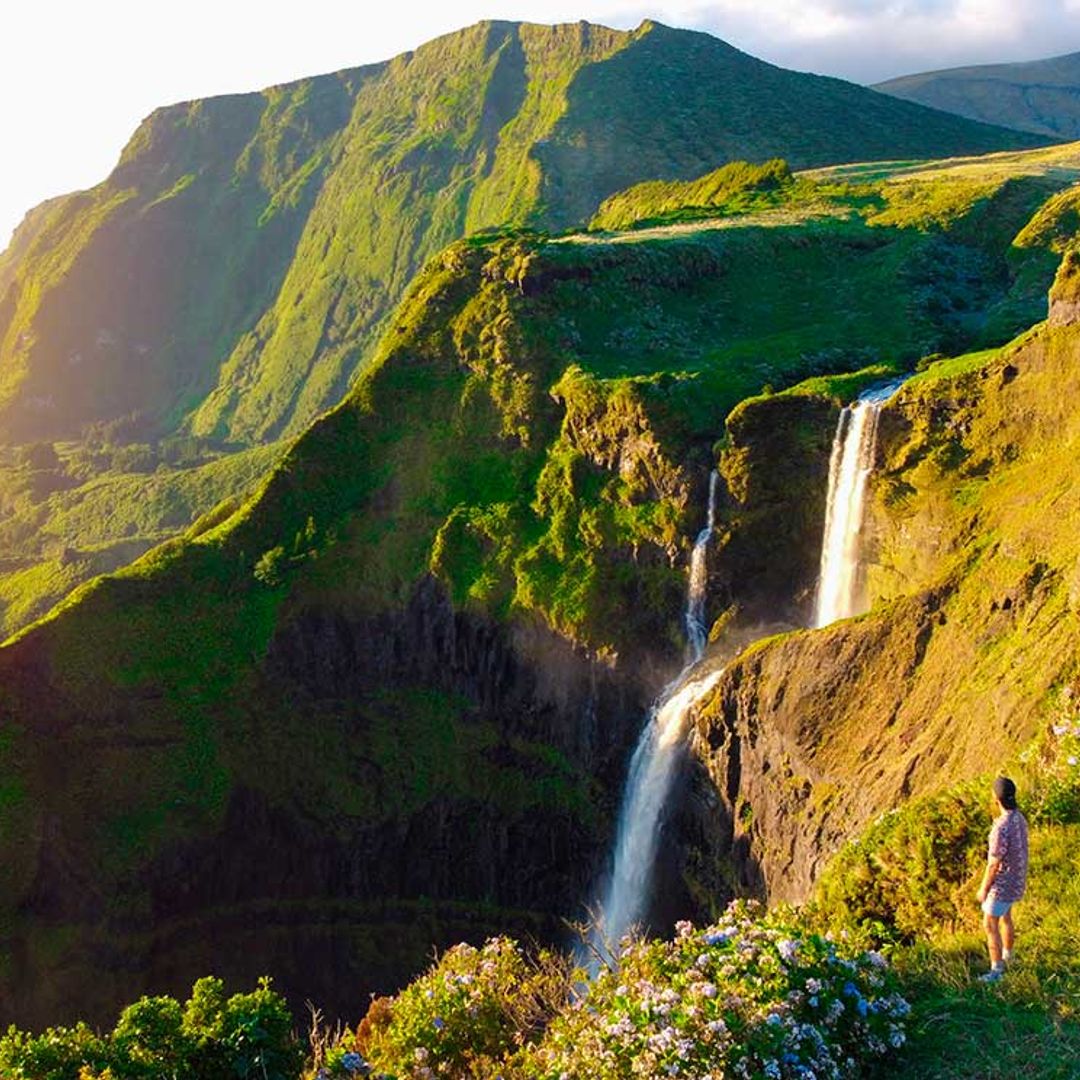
991 976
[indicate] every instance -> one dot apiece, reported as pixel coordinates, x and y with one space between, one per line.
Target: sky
76 77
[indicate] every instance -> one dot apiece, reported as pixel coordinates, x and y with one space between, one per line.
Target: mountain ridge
1040 96
287 363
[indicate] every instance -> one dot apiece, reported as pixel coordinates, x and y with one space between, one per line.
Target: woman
1005 878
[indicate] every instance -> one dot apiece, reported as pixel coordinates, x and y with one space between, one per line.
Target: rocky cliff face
395 783
812 734
1065 295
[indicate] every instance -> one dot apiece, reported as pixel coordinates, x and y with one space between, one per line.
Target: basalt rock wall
339 849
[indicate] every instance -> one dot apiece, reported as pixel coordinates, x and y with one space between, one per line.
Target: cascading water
697 632
653 766
839 593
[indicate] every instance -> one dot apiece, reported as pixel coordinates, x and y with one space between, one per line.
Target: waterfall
654 763
656 756
697 632
850 464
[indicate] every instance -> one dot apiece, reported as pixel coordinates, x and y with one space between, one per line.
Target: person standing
1005 879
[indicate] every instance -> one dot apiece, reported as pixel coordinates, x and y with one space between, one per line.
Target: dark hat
1005 790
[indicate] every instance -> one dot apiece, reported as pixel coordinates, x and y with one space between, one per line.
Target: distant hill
1041 96
231 276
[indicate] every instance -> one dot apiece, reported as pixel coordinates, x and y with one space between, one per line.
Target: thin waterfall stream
653 765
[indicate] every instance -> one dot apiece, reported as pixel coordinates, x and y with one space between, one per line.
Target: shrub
754 996
751 997
56 1054
245 1037
270 567
473 1008
905 874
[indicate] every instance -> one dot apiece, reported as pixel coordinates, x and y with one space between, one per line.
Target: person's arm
993 865
998 847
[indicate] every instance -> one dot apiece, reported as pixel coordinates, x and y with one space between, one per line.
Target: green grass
738 187
80 530
1028 1025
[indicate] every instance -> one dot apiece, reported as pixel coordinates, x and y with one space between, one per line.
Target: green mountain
1040 96
388 700
232 276
233 272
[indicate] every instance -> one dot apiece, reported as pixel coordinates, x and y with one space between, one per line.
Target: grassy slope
102 325
1041 96
261 241
804 273
58 533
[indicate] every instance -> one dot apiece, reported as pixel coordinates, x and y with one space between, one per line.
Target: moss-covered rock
1065 295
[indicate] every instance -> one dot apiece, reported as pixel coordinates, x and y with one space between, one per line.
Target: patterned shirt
1009 843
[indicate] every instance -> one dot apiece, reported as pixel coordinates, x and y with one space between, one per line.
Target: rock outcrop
1065 295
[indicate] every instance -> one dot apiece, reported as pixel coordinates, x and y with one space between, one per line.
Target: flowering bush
471 1010
751 997
1054 798
754 997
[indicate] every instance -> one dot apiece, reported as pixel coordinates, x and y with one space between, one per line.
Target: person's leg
993 939
1008 935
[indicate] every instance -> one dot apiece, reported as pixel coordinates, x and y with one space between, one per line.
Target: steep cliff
975 568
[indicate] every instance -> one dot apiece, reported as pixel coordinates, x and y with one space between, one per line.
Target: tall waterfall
653 766
839 593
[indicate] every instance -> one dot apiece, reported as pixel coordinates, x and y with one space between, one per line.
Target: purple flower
787 949
439 1023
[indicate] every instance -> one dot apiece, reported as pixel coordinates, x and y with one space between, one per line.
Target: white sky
76 76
